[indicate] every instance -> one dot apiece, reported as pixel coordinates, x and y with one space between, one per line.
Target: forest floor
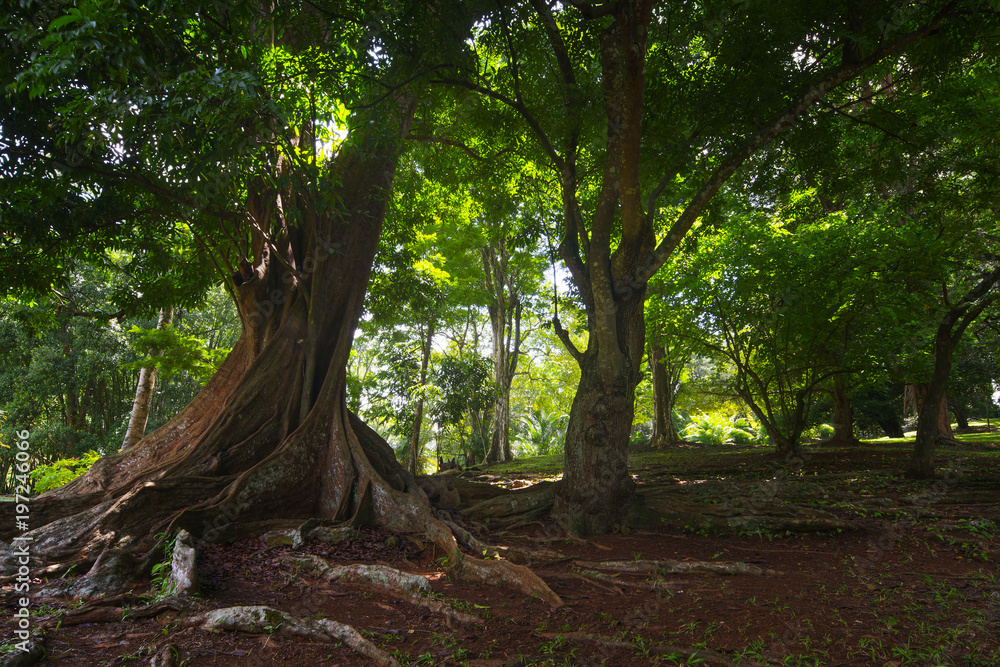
918 585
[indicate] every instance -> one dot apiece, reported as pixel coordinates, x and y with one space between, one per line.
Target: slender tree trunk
663 370
144 390
933 418
505 321
418 411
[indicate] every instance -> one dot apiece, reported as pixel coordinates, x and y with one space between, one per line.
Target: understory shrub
57 473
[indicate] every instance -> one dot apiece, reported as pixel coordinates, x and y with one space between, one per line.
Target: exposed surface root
616 583
413 588
34 654
183 567
523 504
513 554
381 577
257 619
166 657
505 573
675 567
103 613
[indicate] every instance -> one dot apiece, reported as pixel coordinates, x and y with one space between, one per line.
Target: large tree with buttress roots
264 137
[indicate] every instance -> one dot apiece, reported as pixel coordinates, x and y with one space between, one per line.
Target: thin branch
95 314
519 107
868 123
564 337
447 142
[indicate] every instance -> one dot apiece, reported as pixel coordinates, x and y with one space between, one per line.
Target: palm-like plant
542 432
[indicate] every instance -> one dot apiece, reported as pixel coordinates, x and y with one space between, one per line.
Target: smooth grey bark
505 321
418 411
144 390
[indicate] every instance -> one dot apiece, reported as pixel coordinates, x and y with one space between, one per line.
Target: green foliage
57 473
466 385
465 393
541 433
179 353
65 368
819 432
718 429
385 382
161 570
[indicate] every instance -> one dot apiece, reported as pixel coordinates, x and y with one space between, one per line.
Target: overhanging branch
630 285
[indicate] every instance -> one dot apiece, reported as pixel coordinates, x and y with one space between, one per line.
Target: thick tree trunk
144 390
915 396
596 491
663 371
930 428
270 436
891 427
961 416
843 412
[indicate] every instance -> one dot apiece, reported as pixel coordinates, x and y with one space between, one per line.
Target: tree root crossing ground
905 574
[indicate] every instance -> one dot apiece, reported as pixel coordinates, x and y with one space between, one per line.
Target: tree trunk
596 491
843 412
418 411
505 321
891 427
270 435
961 416
664 373
144 390
933 418
499 448
914 397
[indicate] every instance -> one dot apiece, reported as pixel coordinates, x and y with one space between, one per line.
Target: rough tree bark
270 437
665 372
144 390
914 396
961 416
843 412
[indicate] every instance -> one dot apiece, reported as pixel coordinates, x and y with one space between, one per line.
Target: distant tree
144 388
